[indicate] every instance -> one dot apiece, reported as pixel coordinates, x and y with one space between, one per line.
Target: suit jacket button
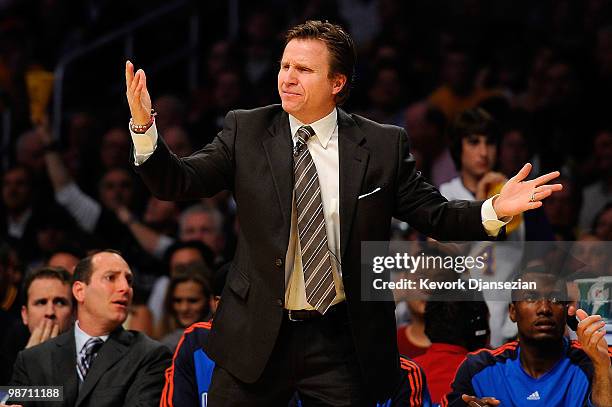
278 262
279 302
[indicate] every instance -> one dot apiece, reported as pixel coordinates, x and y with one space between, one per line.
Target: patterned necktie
316 261
86 356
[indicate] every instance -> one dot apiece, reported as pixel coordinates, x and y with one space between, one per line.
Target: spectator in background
171 112
205 224
187 302
179 254
595 196
11 270
602 225
30 153
115 142
514 147
563 209
67 258
47 312
451 342
17 201
26 219
458 91
426 127
178 140
385 96
411 338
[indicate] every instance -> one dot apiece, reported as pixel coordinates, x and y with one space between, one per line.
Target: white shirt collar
324 127
80 337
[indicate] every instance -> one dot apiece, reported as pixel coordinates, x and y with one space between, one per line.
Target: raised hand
47 329
518 196
137 94
591 332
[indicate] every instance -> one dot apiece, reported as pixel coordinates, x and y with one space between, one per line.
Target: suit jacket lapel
64 366
278 147
353 161
110 353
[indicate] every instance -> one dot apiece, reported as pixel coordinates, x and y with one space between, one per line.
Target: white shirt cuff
490 221
144 144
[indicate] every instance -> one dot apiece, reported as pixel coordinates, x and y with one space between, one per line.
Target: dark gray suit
252 156
128 371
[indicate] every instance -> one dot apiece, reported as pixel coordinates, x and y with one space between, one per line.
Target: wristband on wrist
142 128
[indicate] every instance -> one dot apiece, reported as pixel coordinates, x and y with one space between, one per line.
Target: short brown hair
58 273
84 269
340 46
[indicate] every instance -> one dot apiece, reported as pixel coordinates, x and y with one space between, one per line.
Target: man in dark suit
98 362
311 182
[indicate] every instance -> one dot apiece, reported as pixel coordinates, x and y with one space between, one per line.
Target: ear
24 315
338 83
512 312
78 291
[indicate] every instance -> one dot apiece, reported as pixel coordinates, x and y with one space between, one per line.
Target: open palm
518 196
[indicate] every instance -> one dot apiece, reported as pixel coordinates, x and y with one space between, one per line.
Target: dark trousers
314 359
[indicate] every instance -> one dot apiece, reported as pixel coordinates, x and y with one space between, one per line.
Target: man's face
116 189
477 155
513 153
107 297
186 255
201 226
114 145
48 298
305 88
16 190
65 260
540 314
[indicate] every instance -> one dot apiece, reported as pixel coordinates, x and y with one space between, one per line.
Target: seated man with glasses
542 368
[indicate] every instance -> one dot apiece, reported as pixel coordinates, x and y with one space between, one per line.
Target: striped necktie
316 261
87 355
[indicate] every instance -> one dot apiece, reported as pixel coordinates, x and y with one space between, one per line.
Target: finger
134 85
55 330
533 205
46 330
129 74
144 80
549 187
581 314
523 173
36 332
141 82
540 195
571 310
592 328
543 179
597 336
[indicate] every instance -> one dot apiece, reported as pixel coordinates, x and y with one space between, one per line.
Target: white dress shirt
324 151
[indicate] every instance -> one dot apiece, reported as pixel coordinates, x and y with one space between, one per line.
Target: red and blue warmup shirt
188 379
498 373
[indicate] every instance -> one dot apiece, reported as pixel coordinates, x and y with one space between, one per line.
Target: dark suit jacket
252 156
128 371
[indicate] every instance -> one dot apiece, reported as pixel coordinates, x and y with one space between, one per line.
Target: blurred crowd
542 70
